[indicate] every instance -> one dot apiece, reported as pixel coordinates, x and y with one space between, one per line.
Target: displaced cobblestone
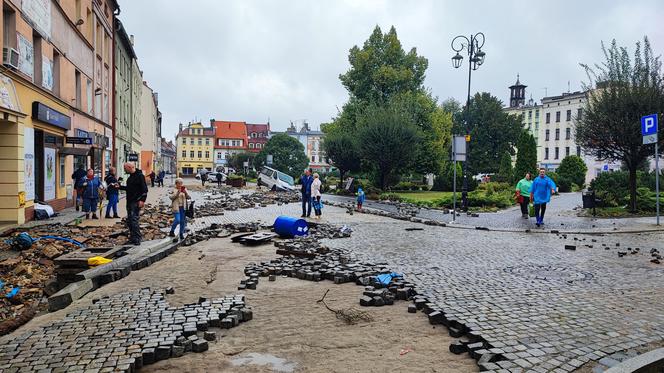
122 333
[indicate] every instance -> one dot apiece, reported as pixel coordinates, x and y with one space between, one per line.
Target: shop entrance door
39 165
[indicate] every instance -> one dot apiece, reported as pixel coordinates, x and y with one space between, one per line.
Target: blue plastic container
288 227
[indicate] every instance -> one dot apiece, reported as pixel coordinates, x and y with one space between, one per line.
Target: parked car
212 176
275 180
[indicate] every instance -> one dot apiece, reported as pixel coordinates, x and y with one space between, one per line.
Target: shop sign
79 140
49 115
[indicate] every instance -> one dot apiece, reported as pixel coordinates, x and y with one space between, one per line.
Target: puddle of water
278 364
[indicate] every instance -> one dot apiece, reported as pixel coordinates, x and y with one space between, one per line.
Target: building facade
150 132
168 156
55 97
312 140
529 110
195 146
257 136
125 90
556 139
230 139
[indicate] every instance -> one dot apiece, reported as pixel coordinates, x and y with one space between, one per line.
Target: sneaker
107 216
77 208
116 216
87 216
94 216
171 234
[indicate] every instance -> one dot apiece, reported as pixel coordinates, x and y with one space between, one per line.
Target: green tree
287 155
386 136
505 171
573 168
492 133
621 91
382 68
343 152
444 181
526 156
237 161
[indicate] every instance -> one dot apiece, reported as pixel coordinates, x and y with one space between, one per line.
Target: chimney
211 121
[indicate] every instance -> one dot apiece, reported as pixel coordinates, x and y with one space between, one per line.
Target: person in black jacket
137 193
77 176
112 195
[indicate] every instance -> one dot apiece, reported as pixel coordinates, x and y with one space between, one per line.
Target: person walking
540 193
204 176
77 177
219 177
316 195
90 185
306 181
179 197
523 194
360 198
152 176
160 178
112 194
137 193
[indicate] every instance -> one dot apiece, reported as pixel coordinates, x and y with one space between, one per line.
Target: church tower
517 94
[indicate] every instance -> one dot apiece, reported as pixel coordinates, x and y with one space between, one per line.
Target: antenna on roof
568 89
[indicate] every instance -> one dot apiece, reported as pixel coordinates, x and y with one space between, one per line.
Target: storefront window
107 160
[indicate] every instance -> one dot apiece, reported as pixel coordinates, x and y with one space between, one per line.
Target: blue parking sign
649 125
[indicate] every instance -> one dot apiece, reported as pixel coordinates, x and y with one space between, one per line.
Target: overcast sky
250 60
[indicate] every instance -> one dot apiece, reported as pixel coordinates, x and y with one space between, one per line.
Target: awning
74 151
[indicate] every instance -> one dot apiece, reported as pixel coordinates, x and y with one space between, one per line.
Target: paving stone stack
219 230
123 333
216 201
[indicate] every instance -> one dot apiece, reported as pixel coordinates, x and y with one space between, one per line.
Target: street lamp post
473 47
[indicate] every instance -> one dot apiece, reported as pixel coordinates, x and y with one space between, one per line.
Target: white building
530 110
556 137
150 131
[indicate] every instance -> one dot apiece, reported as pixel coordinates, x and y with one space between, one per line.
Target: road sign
650 139
459 149
79 140
132 157
467 138
649 125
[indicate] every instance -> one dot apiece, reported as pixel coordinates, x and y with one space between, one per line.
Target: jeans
90 204
524 205
112 204
133 212
306 205
540 209
317 206
179 218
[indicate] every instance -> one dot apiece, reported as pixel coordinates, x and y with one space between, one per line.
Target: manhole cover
547 272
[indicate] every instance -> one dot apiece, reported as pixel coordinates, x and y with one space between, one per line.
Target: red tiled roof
230 130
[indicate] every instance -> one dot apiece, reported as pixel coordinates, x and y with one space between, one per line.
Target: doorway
39 165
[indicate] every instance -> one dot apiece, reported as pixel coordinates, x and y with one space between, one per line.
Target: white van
275 180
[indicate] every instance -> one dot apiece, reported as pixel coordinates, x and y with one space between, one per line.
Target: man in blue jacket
90 184
540 194
306 181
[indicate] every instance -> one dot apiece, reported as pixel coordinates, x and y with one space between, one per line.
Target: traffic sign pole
657 178
454 182
650 130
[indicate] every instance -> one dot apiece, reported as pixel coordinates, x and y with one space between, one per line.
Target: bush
646 200
573 169
252 174
366 186
235 177
403 186
564 184
612 188
390 197
496 186
444 181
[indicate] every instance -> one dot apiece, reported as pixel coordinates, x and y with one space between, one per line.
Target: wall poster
47 73
29 162
49 174
26 59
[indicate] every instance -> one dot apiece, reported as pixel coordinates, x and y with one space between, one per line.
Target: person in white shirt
315 195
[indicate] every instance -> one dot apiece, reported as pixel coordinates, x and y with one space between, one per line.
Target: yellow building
195 148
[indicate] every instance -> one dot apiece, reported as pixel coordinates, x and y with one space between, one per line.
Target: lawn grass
614 212
428 196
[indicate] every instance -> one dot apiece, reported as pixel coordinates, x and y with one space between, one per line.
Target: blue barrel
288 227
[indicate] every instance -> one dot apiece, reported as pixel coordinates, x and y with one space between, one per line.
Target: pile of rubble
228 199
222 230
123 333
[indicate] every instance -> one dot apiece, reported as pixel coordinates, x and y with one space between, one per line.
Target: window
579 114
537 114
578 151
546 153
530 114
191 154
184 154
184 141
548 118
207 141
9 27
546 135
313 159
557 153
200 141
200 154
77 79
219 156
251 145
191 141
88 90
253 135
207 154
56 73
566 151
557 133
568 133
557 116
37 58
569 115
62 170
